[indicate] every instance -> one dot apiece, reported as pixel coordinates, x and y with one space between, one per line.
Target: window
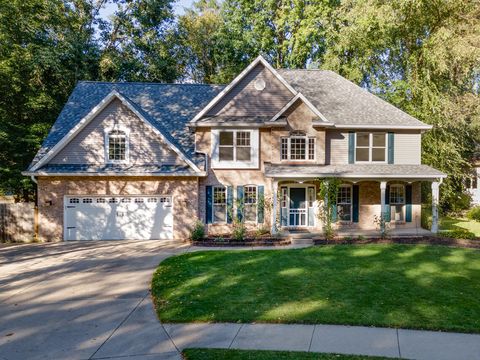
344 203
371 147
87 201
117 146
297 147
234 146
397 202
219 204
250 203
284 197
74 201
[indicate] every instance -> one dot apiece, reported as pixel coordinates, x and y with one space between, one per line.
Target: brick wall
183 190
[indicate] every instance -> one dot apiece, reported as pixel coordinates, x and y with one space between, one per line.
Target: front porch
364 202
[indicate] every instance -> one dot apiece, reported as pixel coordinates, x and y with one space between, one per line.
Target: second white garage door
118 217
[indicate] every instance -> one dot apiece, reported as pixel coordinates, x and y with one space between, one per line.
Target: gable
145 145
300 117
245 100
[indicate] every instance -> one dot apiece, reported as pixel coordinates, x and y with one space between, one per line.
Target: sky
178 6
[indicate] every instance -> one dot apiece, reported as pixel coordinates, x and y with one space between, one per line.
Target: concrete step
297 241
302 235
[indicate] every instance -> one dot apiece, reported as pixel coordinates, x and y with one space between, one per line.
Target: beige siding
408 148
88 147
245 100
336 147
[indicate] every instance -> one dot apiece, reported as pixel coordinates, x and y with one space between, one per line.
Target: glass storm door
298 207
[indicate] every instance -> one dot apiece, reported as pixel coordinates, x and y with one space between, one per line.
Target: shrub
458 234
474 213
262 230
198 231
239 231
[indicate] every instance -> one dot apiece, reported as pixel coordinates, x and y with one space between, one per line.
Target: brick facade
52 191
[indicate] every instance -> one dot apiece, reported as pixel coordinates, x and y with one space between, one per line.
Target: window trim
234 145
350 186
370 147
394 204
224 188
107 134
253 163
307 138
256 204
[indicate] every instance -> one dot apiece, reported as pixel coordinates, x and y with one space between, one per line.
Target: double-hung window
344 203
371 147
297 146
116 146
397 202
234 146
219 204
250 203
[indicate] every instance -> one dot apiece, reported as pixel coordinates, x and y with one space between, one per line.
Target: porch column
274 207
435 196
383 188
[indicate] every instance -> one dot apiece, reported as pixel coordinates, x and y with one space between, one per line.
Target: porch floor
399 232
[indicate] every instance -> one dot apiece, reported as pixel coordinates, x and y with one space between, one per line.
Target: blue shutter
261 204
334 212
355 201
408 202
391 144
351 147
240 202
229 204
387 214
209 204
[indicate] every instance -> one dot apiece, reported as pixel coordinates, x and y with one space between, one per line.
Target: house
143 161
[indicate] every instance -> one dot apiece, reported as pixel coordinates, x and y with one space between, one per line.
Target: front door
298 207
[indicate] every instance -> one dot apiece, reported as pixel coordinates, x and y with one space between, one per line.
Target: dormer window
116 146
298 146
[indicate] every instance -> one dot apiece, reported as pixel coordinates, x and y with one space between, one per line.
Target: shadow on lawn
384 285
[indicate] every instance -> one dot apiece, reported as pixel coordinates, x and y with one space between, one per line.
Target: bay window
371 147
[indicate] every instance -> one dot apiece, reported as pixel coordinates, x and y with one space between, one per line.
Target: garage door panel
116 218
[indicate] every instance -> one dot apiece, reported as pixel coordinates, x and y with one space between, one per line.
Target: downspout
35 210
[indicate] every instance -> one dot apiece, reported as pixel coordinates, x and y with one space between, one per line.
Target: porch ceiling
354 171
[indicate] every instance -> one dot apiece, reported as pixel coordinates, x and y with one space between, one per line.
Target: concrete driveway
82 300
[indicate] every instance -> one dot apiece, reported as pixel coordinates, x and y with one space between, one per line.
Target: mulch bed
424 240
261 241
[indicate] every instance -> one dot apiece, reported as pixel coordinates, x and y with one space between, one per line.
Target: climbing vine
328 191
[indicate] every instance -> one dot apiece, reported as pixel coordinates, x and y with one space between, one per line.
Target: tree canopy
423 56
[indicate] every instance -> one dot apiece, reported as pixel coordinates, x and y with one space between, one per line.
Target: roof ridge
144 83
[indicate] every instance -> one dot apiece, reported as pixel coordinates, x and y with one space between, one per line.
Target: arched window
298 146
116 146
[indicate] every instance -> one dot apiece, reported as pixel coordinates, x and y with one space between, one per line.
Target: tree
289 33
138 42
44 51
424 57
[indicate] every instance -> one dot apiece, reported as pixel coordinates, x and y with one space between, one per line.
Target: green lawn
407 286
219 354
454 224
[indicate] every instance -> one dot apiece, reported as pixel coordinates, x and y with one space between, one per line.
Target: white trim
307 148
254 150
315 204
386 127
350 186
106 144
308 103
91 115
353 176
244 203
239 77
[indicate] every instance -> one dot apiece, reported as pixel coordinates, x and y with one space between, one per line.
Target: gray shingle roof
344 103
169 107
353 170
115 169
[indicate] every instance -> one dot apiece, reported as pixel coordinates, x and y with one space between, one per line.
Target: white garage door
118 217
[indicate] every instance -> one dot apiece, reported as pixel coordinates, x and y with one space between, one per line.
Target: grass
449 224
221 354
406 286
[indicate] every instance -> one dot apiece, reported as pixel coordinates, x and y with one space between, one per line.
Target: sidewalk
405 344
